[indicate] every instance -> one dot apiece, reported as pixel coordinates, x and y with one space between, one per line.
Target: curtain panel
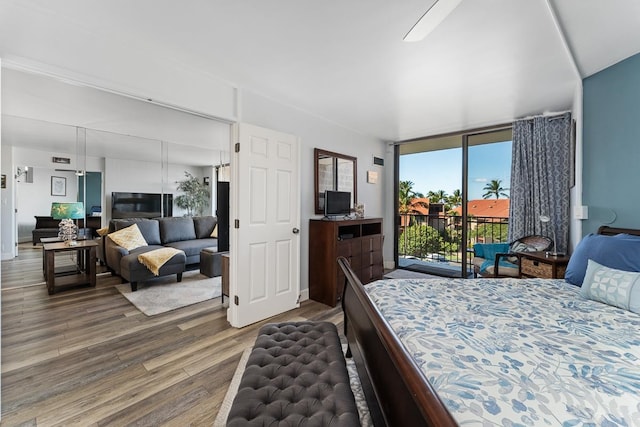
540 178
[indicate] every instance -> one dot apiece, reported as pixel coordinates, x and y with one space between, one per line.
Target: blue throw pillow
621 252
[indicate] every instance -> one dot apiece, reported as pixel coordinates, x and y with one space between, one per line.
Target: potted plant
195 195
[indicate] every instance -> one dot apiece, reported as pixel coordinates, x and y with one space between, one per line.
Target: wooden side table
86 265
538 264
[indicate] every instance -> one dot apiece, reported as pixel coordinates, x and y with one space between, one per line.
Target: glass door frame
465 136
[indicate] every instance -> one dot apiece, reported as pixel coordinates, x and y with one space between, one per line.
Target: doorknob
295 231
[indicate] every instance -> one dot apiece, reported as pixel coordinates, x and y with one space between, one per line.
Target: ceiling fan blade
431 19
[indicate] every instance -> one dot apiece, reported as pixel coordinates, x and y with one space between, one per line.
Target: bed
492 351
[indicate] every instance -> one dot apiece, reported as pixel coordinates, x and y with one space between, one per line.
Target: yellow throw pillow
103 231
214 233
129 238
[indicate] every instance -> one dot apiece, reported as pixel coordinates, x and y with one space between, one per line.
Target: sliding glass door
430 189
452 191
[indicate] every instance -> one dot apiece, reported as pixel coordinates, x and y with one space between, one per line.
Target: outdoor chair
501 259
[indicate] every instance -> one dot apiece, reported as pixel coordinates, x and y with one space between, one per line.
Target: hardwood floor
88 357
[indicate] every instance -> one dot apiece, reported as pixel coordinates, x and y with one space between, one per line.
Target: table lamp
555 253
67 212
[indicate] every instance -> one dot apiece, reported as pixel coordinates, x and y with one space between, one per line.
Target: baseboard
304 294
389 265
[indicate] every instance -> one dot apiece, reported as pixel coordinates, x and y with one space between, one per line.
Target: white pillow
214 233
129 238
614 287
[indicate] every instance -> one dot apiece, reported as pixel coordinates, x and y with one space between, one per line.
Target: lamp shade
71 210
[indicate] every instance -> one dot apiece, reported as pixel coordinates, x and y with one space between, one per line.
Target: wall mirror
334 171
142 148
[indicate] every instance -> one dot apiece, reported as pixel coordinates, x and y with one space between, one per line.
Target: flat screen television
337 203
140 205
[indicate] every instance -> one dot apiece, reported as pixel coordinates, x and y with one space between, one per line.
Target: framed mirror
334 171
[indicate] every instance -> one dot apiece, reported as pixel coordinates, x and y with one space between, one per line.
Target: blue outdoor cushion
621 252
489 250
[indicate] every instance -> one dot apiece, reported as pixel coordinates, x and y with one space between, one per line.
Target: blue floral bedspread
512 352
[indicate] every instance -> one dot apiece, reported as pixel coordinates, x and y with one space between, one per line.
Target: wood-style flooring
87 357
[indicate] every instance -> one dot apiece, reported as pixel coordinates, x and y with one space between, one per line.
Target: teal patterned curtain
540 178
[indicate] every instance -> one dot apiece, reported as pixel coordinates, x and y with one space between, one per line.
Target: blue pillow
621 252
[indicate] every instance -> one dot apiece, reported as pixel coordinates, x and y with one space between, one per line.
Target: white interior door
265 218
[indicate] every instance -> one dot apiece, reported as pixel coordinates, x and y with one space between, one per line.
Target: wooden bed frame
396 390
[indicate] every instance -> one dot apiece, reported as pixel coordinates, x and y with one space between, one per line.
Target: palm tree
455 199
406 203
439 196
405 195
494 188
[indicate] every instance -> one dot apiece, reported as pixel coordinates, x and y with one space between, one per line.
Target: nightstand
538 264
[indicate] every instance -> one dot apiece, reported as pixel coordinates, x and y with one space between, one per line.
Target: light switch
581 212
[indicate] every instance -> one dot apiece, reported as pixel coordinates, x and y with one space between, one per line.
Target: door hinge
236 223
237 147
236 300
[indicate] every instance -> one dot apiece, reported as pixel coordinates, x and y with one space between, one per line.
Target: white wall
316 132
575 225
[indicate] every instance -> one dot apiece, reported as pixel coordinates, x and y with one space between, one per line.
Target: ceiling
487 63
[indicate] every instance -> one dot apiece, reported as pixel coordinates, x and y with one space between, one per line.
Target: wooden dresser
358 240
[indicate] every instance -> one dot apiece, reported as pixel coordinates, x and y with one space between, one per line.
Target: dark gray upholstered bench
296 375
211 262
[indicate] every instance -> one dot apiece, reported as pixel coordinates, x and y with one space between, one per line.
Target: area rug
165 294
408 274
356 387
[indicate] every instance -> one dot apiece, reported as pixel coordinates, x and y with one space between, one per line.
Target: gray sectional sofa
189 234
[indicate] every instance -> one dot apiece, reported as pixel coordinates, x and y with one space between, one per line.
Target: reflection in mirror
93 164
334 171
34 191
24 174
121 144
128 165
346 176
325 175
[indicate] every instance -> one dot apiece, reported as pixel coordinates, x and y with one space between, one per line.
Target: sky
442 169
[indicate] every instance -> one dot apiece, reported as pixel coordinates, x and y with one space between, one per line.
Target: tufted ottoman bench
296 375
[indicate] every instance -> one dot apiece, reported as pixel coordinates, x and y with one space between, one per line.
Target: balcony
433 243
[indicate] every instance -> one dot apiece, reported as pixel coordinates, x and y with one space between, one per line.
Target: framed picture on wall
58 186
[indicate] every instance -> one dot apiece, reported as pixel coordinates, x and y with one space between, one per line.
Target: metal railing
438 238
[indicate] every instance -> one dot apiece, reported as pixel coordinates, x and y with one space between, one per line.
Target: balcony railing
438 238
